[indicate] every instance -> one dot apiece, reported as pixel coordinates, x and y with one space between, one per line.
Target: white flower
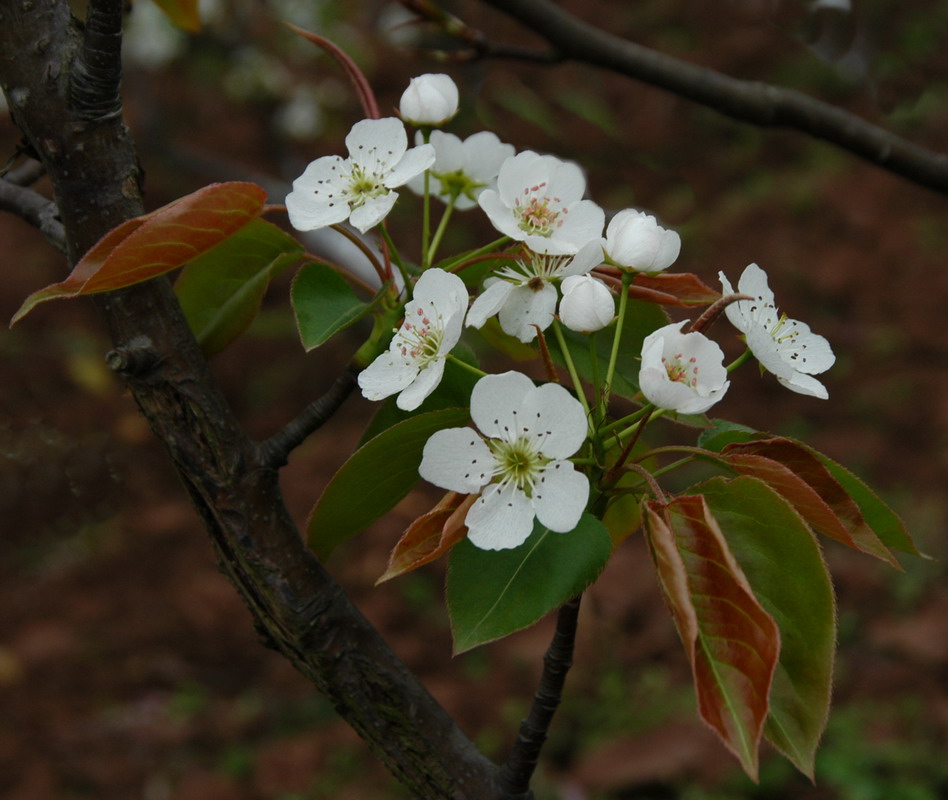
587 304
783 346
463 169
524 296
359 188
414 363
520 467
683 372
635 240
429 100
539 202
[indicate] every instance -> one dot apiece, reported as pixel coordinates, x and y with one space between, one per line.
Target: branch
97 71
748 101
516 773
295 603
35 209
275 451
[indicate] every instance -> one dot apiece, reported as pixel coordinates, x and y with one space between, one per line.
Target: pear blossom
635 240
430 99
524 295
516 460
683 372
462 169
333 189
538 201
414 363
587 304
783 346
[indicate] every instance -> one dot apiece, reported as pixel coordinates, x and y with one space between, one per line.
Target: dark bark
296 605
748 101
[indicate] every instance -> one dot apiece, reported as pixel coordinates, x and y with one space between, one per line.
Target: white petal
526 307
377 144
766 351
500 518
581 225
567 182
415 393
307 212
388 374
804 384
524 170
804 350
488 302
588 257
413 163
556 418
444 290
499 214
560 496
456 459
372 211
483 155
759 311
496 401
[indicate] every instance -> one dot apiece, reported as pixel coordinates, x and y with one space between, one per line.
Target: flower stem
487 248
620 322
426 222
393 252
442 227
469 367
739 360
571 368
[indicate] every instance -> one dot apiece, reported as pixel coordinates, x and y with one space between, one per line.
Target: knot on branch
133 359
97 70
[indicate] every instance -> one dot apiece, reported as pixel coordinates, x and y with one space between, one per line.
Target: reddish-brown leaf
666 288
429 536
158 242
800 477
732 642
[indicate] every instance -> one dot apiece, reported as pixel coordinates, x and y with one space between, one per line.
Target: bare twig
516 773
748 101
35 209
275 451
26 174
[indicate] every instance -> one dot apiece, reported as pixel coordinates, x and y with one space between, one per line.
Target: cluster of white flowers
517 462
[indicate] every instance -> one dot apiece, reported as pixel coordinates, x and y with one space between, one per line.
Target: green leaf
731 641
784 565
324 304
723 432
221 291
492 593
640 320
183 13
156 243
883 520
374 479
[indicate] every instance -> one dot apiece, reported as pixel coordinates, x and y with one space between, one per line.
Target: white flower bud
429 100
587 304
635 240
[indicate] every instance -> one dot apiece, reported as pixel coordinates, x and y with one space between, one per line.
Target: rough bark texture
76 130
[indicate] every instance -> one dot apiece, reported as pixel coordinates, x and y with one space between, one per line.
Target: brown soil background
128 666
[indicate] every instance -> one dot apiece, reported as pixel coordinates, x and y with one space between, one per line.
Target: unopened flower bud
635 240
587 304
429 100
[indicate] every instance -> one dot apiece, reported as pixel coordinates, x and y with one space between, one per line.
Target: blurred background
128 666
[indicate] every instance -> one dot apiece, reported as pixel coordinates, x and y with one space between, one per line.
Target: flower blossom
783 346
518 462
333 189
538 201
683 372
414 363
462 170
429 100
524 296
587 304
635 240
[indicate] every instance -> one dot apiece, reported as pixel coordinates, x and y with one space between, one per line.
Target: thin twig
26 174
515 775
748 101
32 207
275 451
